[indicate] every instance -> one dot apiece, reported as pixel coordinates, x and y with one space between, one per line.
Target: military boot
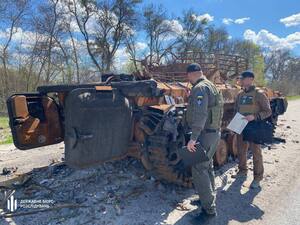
240 175
203 217
255 184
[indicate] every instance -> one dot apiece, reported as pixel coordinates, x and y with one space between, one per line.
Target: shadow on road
232 205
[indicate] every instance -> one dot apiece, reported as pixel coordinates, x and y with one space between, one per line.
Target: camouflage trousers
203 173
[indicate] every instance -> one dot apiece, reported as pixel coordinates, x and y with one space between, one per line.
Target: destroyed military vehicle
140 115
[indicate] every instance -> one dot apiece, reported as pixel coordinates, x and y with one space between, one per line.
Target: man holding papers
253 104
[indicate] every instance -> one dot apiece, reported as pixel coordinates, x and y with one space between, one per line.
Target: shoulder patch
199 99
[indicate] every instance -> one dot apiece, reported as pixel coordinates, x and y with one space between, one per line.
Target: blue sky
272 24
262 15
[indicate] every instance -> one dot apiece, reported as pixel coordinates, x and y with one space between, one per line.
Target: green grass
295 97
6 140
5 134
4 122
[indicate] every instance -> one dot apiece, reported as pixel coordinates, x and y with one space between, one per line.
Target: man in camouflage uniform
254 105
204 114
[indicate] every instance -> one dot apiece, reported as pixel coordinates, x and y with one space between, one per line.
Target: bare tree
131 48
117 19
215 40
84 11
160 32
292 72
29 61
276 62
287 72
12 13
193 30
75 55
46 23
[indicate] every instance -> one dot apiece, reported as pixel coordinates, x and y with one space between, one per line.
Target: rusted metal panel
97 127
34 120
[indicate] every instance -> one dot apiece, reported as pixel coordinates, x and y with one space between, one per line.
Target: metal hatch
97 127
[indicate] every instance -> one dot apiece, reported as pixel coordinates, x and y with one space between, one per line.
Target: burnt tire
232 145
220 158
166 164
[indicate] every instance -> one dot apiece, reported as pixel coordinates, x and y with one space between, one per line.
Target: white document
237 124
170 100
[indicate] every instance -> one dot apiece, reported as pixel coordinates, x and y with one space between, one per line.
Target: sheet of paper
237 124
170 100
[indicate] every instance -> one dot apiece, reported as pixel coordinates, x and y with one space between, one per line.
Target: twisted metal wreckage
141 115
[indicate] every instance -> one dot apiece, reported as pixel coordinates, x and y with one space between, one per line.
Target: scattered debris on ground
124 193
9 170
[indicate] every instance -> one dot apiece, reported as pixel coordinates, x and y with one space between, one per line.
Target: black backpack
259 132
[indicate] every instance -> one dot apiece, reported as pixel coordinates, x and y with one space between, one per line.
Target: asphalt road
278 202
284 203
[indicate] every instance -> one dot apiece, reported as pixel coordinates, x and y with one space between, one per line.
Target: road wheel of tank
221 155
232 144
166 164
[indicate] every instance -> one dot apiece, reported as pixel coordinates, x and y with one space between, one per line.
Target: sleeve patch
199 99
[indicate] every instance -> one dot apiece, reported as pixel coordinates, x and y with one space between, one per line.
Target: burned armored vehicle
140 115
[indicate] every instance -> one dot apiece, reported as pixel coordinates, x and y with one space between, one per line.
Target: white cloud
271 41
92 25
175 26
250 35
202 17
293 20
294 38
206 16
229 21
80 45
141 46
121 58
22 38
241 20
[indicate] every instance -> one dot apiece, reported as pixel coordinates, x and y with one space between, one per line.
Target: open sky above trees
267 22
74 41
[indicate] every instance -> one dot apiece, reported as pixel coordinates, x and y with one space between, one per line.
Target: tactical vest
247 104
215 113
